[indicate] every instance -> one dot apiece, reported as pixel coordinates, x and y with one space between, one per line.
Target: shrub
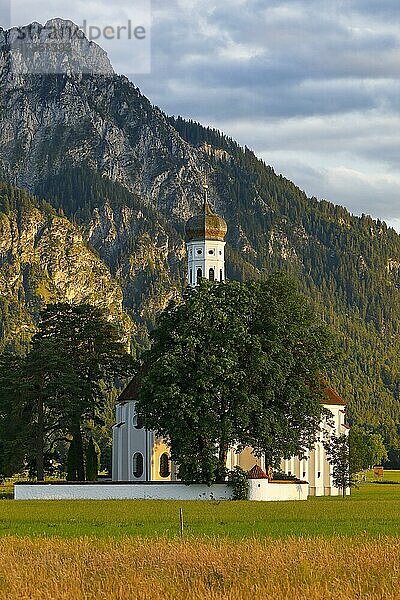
237 479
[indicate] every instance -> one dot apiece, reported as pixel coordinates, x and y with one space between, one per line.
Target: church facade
140 455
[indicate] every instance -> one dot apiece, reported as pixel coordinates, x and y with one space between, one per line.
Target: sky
312 86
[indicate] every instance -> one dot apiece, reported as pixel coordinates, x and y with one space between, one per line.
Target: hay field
165 569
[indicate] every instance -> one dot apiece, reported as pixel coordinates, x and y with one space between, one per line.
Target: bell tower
205 244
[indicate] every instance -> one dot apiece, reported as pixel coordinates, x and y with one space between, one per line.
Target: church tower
205 244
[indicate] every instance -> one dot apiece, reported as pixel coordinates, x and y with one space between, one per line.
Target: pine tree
92 460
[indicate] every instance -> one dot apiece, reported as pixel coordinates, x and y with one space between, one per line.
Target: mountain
125 177
43 259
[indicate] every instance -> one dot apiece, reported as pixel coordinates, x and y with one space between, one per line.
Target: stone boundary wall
259 489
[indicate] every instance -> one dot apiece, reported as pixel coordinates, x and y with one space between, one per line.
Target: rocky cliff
44 259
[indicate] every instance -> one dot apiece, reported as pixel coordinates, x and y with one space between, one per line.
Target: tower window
137 465
211 275
138 422
211 252
221 275
199 275
191 276
220 252
164 465
199 251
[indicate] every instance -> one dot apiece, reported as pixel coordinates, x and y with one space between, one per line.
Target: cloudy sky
312 86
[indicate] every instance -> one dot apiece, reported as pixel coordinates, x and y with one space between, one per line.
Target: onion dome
206 226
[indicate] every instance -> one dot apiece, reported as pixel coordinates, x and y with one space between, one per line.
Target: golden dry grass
291 569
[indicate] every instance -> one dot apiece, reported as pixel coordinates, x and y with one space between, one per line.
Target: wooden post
181 520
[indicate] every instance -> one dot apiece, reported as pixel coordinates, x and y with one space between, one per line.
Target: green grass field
372 509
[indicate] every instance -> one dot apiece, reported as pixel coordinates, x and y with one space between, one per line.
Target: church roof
206 226
131 390
130 393
332 398
256 473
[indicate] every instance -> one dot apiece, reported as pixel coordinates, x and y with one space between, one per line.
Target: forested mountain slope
44 259
128 177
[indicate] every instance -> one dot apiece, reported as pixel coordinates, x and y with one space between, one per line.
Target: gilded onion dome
206 226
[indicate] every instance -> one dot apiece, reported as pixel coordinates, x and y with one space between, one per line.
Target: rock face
100 120
54 48
44 259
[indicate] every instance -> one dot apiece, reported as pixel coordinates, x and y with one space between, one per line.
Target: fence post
181 520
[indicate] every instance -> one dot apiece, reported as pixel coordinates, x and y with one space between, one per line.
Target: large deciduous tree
235 365
337 452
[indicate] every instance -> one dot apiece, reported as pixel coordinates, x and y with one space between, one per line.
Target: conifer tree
92 460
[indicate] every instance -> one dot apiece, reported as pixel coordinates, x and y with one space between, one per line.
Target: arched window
137 464
137 422
199 275
164 465
211 275
221 275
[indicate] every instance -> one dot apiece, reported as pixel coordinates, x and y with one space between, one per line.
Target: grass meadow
373 509
323 548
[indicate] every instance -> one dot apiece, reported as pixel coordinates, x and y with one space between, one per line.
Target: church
140 455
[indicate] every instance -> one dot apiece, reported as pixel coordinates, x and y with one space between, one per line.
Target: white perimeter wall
127 491
259 490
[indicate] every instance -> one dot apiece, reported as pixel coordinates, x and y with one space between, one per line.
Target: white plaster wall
262 490
135 491
258 489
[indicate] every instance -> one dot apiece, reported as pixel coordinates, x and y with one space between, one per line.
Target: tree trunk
79 454
40 439
71 462
222 457
268 464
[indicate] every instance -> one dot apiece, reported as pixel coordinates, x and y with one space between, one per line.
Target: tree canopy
235 365
337 452
75 356
365 449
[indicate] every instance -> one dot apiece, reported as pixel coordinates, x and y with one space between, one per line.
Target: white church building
140 455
